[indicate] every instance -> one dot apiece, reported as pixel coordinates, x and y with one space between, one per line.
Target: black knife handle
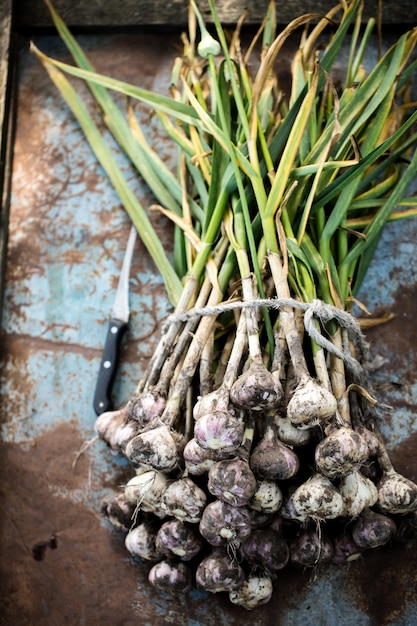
108 366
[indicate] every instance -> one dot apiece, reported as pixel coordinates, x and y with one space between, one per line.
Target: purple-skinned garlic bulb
372 530
232 481
178 539
290 435
345 549
197 460
312 548
116 429
145 490
217 400
266 548
257 389
272 459
396 494
223 524
358 493
220 432
146 406
140 541
118 510
218 572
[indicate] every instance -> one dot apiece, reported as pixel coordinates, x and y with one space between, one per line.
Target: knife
117 326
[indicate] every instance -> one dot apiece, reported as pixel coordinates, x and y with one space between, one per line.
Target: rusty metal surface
67 239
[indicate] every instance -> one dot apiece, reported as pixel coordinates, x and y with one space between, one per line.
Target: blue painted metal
67 240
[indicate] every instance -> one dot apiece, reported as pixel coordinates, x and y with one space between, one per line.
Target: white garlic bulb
311 404
255 591
318 498
358 493
146 489
396 494
267 497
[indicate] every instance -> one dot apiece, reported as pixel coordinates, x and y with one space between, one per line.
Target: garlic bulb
116 429
140 541
396 494
371 439
372 530
311 404
288 510
197 460
222 523
219 431
267 497
256 389
265 548
145 490
341 452
291 435
176 539
210 403
184 500
156 447
171 576
146 406
311 549
272 459
255 591
232 481
259 519
358 493
345 549
118 510
318 498
218 572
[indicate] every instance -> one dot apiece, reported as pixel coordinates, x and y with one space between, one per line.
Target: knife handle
108 366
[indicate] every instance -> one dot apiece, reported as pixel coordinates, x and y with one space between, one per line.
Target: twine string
315 310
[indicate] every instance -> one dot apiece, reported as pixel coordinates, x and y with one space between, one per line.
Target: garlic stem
338 379
179 390
287 319
239 345
248 295
163 348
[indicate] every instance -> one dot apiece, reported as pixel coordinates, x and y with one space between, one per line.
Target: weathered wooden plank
6 123
107 13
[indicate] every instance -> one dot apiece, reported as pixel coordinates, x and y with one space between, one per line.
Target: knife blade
116 328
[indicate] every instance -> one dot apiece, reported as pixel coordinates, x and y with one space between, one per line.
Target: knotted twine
314 310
